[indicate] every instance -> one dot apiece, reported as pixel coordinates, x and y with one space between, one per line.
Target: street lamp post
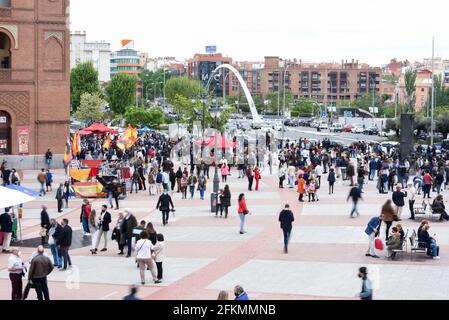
216 112
374 94
432 123
283 107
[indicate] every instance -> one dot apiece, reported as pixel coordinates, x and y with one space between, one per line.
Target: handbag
114 234
43 232
378 244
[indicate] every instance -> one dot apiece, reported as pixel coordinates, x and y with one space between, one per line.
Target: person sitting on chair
439 207
426 241
394 242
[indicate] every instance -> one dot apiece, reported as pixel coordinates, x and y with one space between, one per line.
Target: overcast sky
318 30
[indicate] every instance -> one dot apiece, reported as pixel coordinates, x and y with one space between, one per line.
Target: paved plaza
205 254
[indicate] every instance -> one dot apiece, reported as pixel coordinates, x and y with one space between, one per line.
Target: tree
410 91
152 83
83 79
305 107
275 97
121 92
141 117
184 87
442 123
90 108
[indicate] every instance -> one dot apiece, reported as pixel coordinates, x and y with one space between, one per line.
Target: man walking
398 200
286 218
60 196
356 195
42 179
64 241
163 204
105 220
367 288
40 268
6 229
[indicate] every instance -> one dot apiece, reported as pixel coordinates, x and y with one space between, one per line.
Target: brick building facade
325 82
34 76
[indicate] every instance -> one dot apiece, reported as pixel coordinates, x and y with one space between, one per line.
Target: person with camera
163 204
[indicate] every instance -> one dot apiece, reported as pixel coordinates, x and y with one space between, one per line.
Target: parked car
373 131
336 127
358 130
347 128
324 126
445 145
422 136
386 134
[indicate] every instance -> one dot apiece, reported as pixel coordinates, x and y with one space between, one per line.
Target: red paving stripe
186 287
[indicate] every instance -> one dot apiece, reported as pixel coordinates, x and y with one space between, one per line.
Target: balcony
5 75
5 12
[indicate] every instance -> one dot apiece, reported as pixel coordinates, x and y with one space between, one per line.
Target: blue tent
146 130
29 192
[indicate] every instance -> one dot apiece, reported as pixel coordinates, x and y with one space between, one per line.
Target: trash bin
213 202
123 185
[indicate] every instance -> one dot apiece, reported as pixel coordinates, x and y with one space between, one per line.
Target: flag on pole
76 148
68 152
107 142
127 139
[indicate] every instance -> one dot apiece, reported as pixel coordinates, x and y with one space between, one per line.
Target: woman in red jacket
243 211
257 177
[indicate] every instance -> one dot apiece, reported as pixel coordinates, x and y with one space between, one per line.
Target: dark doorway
5 133
5 51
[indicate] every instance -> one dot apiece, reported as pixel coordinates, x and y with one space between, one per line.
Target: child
49 180
158 253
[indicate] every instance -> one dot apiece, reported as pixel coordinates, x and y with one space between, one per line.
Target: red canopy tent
98 128
222 142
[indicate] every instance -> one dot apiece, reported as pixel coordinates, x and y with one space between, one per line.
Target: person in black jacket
331 179
286 218
178 179
355 194
64 241
163 205
439 207
127 230
45 225
104 220
226 200
398 199
6 228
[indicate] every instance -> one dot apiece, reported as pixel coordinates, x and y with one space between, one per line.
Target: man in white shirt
291 176
411 192
165 180
15 268
319 173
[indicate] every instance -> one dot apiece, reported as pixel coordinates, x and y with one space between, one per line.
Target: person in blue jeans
53 234
202 186
426 241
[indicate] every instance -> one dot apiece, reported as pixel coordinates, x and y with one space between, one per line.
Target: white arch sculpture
249 98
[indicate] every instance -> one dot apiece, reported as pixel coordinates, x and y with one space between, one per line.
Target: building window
5 3
5 51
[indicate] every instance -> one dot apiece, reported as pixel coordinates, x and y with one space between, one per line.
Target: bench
414 245
422 210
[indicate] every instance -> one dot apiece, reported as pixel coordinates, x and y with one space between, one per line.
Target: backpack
159 178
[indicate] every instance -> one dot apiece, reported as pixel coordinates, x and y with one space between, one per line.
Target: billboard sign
24 140
211 49
127 44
